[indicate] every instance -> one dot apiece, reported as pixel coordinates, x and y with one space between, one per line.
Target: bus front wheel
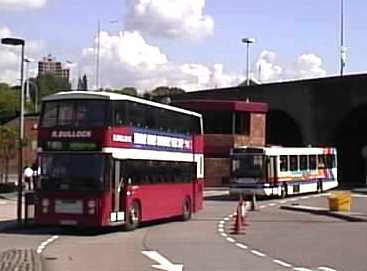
133 216
186 209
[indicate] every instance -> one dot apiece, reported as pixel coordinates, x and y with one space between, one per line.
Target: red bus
112 159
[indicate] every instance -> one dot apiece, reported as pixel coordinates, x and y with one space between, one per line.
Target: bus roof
104 95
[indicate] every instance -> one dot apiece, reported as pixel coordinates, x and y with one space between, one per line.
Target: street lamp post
27 60
35 94
343 50
248 41
17 42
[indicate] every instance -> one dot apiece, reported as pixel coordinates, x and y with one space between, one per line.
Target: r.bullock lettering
71 134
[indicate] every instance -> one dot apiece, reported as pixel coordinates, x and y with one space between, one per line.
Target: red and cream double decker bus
112 159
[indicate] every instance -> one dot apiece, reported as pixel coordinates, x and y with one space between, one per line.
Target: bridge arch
282 129
351 138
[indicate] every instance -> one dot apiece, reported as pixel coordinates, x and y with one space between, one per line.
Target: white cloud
10 58
268 70
22 4
127 60
169 18
306 66
309 66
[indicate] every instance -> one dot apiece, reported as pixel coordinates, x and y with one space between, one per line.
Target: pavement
348 216
362 190
22 259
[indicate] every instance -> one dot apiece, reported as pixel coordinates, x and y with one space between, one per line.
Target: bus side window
303 163
293 162
283 163
312 165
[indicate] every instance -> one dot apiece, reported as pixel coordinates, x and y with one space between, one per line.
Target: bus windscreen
248 166
65 172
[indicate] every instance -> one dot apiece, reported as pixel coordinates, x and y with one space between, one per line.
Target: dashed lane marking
324 268
282 263
258 253
44 244
231 240
221 231
241 246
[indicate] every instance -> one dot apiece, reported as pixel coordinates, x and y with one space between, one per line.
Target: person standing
28 174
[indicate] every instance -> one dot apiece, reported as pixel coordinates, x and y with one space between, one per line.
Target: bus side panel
160 200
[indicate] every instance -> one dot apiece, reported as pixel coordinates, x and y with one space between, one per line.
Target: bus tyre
133 217
186 210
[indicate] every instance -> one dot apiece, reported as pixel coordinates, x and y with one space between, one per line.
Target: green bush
7 187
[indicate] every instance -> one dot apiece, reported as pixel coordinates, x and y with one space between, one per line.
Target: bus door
117 215
271 172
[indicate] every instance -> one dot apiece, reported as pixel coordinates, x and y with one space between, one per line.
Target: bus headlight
45 202
91 203
91 211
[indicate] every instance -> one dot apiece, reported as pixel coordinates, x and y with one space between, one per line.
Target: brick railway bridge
319 112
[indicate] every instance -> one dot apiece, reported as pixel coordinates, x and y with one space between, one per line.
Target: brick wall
217 171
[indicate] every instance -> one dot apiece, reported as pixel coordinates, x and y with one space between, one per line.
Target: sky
191 44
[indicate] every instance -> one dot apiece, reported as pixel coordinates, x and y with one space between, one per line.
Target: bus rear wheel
186 210
133 217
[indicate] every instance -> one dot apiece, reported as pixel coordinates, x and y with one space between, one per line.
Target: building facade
227 124
49 65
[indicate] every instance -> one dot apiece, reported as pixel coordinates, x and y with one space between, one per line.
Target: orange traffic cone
238 221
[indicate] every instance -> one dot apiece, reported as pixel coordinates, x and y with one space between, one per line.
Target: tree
128 91
83 83
162 93
8 99
49 84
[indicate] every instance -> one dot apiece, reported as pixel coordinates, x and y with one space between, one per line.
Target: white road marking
282 263
231 240
241 246
305 197
2 202
163 263
44 244
258 253
324 268
283 201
